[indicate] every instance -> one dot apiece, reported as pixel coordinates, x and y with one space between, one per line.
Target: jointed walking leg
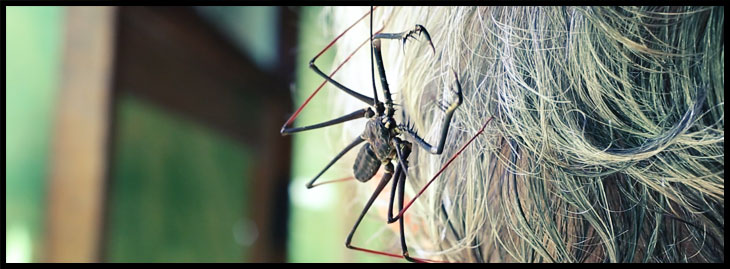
399 181
376 103
381 185
403 150
357 141
362 113
342 87
383 80
357 95
383 182
328 78
397 175
401 221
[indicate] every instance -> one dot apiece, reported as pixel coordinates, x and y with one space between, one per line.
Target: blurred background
151 134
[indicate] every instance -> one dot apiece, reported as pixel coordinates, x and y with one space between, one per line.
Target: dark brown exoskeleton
384 138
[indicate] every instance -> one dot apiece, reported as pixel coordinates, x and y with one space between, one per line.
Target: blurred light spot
245 232
317 198
17 244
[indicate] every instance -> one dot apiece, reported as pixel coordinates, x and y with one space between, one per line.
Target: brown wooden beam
173 58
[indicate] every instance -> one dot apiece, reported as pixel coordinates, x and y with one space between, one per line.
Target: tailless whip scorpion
385 140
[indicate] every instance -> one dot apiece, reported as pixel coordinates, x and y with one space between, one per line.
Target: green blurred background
178 190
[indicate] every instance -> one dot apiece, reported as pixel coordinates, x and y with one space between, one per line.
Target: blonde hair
607 142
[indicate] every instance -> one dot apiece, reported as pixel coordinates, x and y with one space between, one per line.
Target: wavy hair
607 143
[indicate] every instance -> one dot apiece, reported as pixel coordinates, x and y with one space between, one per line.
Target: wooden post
79 158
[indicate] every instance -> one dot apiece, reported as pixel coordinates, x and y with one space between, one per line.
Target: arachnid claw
405 38
446 107
420 29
